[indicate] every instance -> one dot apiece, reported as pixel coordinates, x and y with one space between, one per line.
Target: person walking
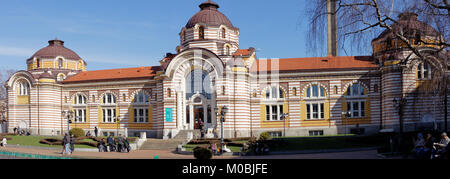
214 148
119 143
72 143
126 144
66 143
111 142
101 144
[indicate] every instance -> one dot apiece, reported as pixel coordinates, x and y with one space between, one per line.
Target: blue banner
169 116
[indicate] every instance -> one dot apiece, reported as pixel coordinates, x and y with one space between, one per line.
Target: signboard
169 115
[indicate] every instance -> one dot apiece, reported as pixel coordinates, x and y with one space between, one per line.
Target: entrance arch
195 102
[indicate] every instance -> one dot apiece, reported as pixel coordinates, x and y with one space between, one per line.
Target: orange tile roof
317 64
114 74
244 52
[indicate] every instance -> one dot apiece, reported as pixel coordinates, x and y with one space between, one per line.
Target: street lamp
69 115
283 117
346 115
399 104
117 122
222 114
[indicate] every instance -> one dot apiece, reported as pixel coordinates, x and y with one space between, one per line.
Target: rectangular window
356 108
274 113
268 113
315 111
363 109
315 133
141 115
80 115
109 115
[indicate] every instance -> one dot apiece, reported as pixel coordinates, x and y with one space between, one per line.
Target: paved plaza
166 154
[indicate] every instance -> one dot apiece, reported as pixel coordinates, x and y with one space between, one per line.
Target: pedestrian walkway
168 154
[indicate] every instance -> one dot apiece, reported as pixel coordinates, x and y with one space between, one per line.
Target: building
321 95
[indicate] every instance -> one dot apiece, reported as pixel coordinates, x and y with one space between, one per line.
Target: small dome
209 15
54 49
409 24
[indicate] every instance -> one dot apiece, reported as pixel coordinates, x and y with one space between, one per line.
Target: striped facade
321 96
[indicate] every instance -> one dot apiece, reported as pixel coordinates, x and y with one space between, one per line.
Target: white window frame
24 89
271 93
109 99
421 70
141 98
83 100
109 118
358 93
270 115
80 113
320 110
360 111
321 91
140 118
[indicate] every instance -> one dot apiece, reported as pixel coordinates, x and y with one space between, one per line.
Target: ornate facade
297 96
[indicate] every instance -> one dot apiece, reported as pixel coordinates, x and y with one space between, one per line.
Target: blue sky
117 34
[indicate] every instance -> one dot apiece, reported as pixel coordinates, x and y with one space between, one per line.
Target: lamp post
69 115
222 120
346 115
284 116
399 104
117 122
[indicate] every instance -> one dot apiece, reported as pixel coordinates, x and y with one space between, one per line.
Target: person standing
95 131
126 144
101 143
214 148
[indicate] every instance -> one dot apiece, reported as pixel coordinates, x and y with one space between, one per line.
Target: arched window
224 33
24 88
424 71
274 93
227 50
109 98
201 32
141 98
80 100
355 90
61 77
80 108
60 63
315 91
38 63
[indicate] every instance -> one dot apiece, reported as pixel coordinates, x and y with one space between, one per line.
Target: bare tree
4 76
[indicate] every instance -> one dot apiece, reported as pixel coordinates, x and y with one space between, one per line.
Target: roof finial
209 5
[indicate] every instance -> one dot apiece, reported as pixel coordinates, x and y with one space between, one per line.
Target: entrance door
198 118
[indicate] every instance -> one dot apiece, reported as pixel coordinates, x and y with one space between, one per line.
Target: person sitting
428 147
441 146
101 145
4 142
225 149
419 146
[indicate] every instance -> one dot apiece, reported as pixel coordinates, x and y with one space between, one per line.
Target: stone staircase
160 144
184 134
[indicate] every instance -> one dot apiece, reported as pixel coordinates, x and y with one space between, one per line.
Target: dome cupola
209 15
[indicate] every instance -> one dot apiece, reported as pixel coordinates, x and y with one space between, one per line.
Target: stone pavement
166 154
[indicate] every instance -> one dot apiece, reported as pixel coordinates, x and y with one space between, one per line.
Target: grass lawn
327 142
34 141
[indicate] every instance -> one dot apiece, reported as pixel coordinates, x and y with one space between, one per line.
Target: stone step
159 144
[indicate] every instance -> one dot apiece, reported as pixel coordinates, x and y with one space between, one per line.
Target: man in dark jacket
127 144
95 131
72 144
119 143
111 143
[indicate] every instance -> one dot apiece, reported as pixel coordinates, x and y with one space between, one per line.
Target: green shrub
202 153
77 132
264 136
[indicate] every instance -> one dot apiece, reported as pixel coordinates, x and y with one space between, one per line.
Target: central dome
209 15
54 49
